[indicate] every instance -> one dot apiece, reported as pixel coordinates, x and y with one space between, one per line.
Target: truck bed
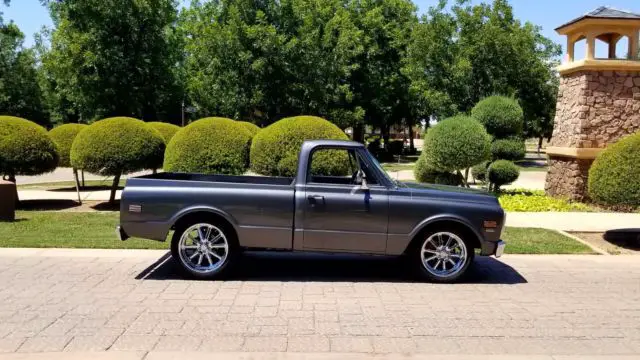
243 179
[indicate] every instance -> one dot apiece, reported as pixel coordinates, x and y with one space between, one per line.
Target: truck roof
345 143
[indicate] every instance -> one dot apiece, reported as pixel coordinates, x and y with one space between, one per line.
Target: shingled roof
604 12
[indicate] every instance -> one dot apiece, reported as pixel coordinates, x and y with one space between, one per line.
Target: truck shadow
255 266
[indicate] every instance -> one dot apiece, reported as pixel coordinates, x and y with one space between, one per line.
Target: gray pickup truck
358 209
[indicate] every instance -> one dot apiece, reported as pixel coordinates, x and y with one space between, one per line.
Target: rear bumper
493 248
121 234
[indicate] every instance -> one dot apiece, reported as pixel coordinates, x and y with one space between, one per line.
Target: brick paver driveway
101 300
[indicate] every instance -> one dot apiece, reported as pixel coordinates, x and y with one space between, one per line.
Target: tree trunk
412 147
358 133
466 177
82 172
12 178
154 171
114 188
77 181
385 136
539 145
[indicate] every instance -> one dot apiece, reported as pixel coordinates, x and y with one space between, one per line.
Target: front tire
204 249
443 255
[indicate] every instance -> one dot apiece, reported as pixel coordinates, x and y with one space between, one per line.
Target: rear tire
204 248
442 255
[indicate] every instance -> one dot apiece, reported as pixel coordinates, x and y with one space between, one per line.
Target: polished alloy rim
203 248
443 254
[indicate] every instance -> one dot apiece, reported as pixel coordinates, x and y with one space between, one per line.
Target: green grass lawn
48 229
397 166
541 241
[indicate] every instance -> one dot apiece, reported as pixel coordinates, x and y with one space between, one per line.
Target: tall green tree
20 94
265 59
460 56
113 58
381 88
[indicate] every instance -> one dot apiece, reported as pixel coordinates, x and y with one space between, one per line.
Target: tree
20 94
113 57
264 60
457 58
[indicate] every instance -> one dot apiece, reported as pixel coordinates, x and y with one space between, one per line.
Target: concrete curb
593 247
154 355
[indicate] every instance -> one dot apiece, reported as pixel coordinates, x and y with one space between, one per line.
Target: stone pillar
591 47
633 45
594 109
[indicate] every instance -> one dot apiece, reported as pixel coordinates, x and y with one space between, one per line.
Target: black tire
190 269
416 255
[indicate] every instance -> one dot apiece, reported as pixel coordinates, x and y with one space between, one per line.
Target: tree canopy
353 62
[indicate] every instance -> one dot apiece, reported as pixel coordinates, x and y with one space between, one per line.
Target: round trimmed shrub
424 173
614 177
209 146
275 149
25 148
456 143
479 172
63 137
166 130
502 172
118 145
508 149
253 128
502 116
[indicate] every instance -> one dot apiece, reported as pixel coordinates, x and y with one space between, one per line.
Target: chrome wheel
443 254
203 248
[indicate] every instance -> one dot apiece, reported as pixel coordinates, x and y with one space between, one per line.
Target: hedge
275 149
424 173
209 146
456 143
63 137
479 172
25 148
253 128
512 149
502 116
118 145
502 172
614 177
167 130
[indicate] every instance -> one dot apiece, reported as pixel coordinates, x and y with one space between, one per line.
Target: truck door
339 215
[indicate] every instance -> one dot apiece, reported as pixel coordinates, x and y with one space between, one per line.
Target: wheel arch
442 221
199 212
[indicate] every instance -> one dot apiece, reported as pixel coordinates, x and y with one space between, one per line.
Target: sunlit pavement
133 303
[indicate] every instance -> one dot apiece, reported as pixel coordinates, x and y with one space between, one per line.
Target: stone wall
594 109
567 178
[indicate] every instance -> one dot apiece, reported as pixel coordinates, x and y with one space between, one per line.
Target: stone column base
567 178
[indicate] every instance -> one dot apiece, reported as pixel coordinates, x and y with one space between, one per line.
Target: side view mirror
361 179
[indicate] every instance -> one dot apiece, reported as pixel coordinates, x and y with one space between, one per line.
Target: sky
30 16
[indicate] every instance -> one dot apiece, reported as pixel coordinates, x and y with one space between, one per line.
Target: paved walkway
574 221
65 174
96 300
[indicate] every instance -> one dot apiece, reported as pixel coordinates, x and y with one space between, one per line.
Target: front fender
445 217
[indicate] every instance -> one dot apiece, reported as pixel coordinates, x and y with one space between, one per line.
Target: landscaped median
45 229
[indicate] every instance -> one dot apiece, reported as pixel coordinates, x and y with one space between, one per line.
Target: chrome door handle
314 199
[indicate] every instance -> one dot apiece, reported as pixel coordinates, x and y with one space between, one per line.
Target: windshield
381 170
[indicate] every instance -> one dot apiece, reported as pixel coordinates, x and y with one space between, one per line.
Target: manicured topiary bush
512 149
456 143
63 137
275 149
614 177
502 172
479 172
209 146
502 116
167 130
25 148
116 146
253 128
427 174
